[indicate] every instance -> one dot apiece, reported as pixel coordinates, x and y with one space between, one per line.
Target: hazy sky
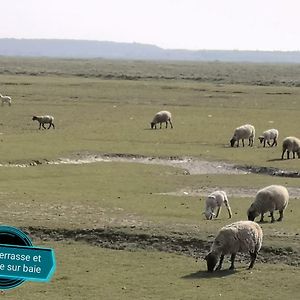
188 24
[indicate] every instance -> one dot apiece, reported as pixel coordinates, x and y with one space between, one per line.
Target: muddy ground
179 243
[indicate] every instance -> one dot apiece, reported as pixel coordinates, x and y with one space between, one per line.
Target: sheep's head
252 213
211 261
209 215
34 118
152 125
232 141
261 139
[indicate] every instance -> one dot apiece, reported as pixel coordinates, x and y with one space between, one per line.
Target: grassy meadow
106 107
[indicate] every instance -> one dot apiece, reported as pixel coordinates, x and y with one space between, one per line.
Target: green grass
96 113
114 274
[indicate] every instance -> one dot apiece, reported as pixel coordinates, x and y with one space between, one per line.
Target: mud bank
182 244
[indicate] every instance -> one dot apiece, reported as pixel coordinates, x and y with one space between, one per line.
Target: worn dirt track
179 243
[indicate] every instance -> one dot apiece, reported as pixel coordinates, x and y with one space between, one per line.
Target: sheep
5 99
246 131
241 236
270 134
291 144
162 117
44 120
216 199
270 198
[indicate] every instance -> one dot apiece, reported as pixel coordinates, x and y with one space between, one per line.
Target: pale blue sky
188 24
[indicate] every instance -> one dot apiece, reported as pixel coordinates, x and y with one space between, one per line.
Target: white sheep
5 99
270 198
270 134
162 117
44 120
291 144
213 201
242 236
246 131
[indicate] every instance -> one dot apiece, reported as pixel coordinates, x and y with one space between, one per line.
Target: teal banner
26 262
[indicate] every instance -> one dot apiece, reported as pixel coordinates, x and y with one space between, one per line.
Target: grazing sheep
270 198
291 144
44 120
242 236
215 200
162 117
5 99
243 132
271 134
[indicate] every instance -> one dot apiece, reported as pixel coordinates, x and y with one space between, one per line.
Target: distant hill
134 51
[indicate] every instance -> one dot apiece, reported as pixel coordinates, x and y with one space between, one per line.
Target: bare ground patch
179 243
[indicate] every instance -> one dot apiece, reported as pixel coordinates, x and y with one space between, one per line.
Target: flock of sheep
243 236
290 144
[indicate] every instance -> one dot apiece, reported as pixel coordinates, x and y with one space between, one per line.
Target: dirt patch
179 243
190 165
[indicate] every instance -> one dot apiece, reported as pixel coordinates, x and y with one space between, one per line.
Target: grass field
106 107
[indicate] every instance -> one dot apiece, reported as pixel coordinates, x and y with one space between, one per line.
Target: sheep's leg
282 154
272 216
243 142
253 256
261 218
238 143
220 263
160 125
50 124
40 126
171 124
232 259
218 211
264 143
44 126
288 154
269 143
228 209
280 216
167 124
53 125
294 154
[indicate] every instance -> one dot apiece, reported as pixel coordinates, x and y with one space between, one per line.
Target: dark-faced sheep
162 117
44 120
241 236
246 131
269 199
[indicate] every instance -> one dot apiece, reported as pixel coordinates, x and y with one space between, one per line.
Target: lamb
270 134
5 99
246 131
215 200
44 120
270 198
162 117
241 236
291 144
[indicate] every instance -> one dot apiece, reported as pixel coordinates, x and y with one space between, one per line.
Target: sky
170 24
